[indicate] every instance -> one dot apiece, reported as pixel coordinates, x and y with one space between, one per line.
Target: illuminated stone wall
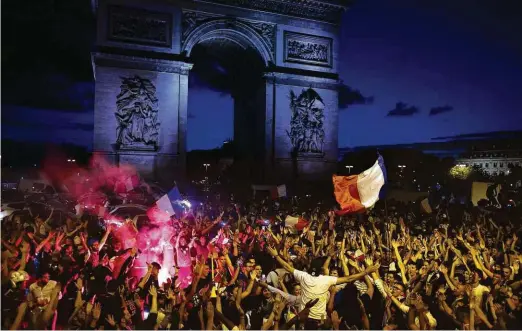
297 41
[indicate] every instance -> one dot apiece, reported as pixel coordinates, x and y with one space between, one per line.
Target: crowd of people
236 267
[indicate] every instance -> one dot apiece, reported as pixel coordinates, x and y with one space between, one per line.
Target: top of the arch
321 10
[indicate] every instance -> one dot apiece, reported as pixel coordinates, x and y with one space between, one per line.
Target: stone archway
227 28
228 67
142 64
245 56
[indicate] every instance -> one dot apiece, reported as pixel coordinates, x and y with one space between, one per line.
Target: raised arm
326 264
444 272
272 251
104 238
250 285
50 216
395 246
45 241
352 278
208 228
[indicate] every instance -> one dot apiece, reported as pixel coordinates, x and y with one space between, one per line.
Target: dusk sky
460 60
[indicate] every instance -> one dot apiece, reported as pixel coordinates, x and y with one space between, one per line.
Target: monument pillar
301 125
141 112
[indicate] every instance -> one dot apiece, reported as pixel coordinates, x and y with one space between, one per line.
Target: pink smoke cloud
89 187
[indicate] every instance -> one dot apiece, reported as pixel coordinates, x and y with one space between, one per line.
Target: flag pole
386 222
386 208
387 226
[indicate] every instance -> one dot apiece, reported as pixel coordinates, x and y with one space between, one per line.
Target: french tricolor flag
297 223
167 202
359 192
279 192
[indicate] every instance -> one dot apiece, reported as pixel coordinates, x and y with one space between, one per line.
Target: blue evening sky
465 54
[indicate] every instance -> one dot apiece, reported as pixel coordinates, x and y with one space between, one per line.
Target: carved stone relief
311 9
137 114
138 26
307 49
267 31
307 122
193 19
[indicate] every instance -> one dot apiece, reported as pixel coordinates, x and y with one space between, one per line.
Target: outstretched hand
96 311
153 291
110 320
373 268
272 251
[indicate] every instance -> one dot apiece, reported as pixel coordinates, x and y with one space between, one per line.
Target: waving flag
426 206
167 202
279 192
359 192
296 223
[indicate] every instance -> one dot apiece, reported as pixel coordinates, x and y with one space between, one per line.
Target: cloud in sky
388 49
440 110
349 96
47 125
402 109
50 91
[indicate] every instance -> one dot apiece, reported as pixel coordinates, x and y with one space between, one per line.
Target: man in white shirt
317 288
40 296
40 292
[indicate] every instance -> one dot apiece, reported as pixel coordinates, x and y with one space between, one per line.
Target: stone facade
150 43
493 162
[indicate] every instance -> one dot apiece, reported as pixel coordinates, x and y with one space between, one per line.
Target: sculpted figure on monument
301 50
306 126
137 113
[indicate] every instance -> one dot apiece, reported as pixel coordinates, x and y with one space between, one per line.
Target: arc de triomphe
142 64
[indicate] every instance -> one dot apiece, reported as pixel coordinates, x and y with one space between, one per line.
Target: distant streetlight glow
349 167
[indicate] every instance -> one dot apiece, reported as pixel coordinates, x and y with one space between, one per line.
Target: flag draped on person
167 202
357 193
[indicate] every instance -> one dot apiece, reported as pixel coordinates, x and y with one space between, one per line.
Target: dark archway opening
235 76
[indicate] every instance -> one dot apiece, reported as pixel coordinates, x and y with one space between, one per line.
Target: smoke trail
92 186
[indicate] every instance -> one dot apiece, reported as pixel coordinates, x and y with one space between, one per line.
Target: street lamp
206 165
349 167
401 166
